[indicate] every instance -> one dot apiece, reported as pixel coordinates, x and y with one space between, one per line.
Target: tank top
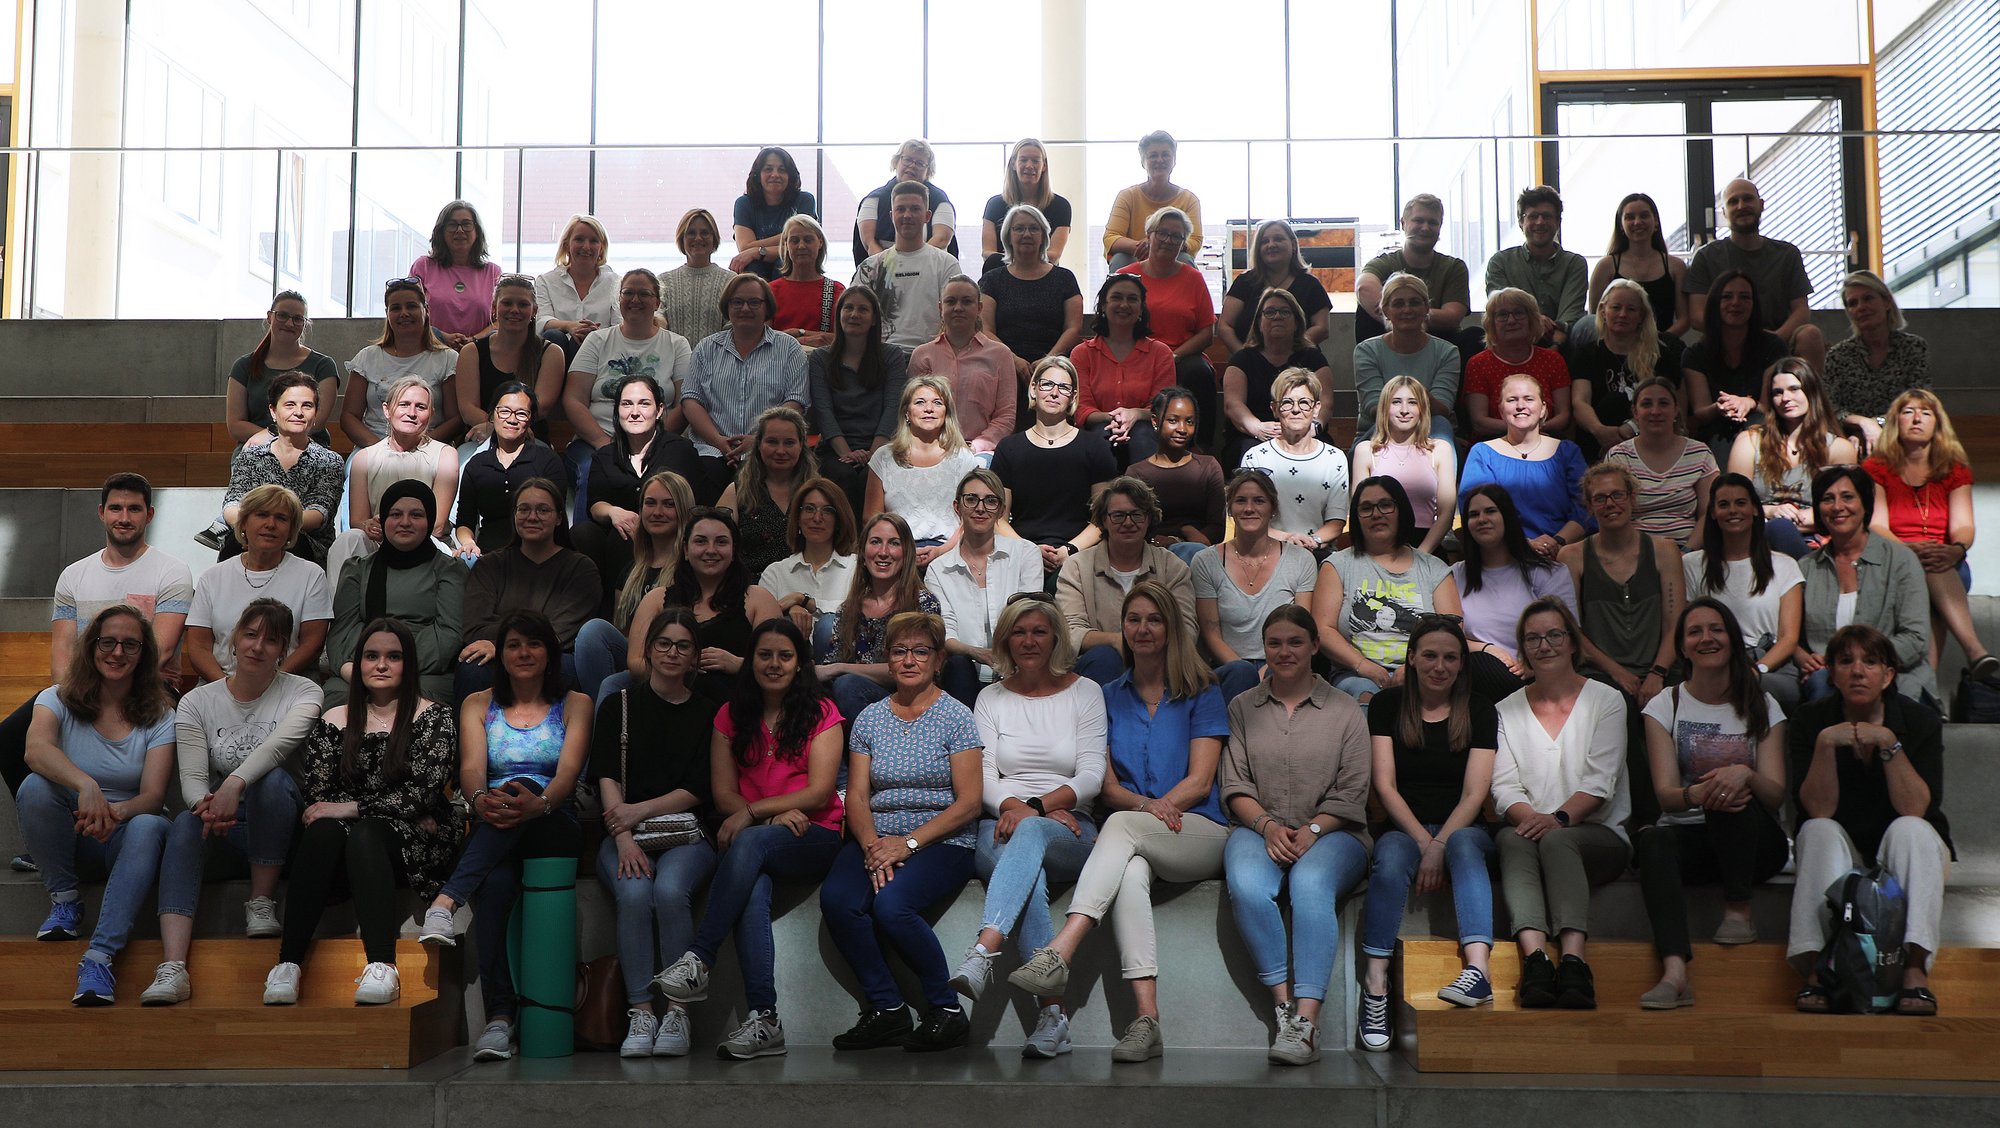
1792 486
522 753
1622 619
490 379
1412 467
1659 291
387 466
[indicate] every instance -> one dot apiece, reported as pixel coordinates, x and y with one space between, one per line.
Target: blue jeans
131 858
961 679
664 902
1784 536
1239 676
486 876
1017 874
1467 854
1318 880
1354 685
600 652
739 899
576 456
1187 551
265 820
1101 664
852 693
861 918
822 636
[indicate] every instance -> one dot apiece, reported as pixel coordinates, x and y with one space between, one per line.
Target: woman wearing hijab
408 578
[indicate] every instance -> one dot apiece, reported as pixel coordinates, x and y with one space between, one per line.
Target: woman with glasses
1796 440
1716 746
774 756
642 448
762 494
512 353
1676 474
1166 723
486 484
1370 595
806 297
247 396
1044 731
1406 349
885 585
1179 308
1025 185
735 377
814 580
857 390
459 275
973 581
407 348
537 572
1275 344
101 750
580 296
1092 585
1499 576
1120 367
1513 325
1432 744
1763 590
691 293
407 579
409 454
774 193
1540 472
912 475
913 792
637 346
1405 447
1187 483
1312 509
1275 264
1053 470
291 458
1238 583
1560 784
1032 305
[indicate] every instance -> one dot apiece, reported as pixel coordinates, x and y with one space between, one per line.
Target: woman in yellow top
1125 231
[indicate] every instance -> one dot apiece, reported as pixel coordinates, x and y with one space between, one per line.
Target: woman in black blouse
1277 341
1725 370
1027 182
856 384
1052 470
1032 305
1275 264
641 448
485 521
378 815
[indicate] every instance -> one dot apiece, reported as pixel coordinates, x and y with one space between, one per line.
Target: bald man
1775 267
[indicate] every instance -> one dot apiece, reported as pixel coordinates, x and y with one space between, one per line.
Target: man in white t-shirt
908 278
128 571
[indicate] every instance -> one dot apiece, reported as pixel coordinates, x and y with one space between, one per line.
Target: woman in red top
1923 497
806 297
1513 318
1182 309
1121 366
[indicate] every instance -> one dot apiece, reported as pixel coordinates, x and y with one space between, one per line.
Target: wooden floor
1743 1023
225 1025
24 665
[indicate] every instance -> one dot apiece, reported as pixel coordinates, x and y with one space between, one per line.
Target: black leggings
369 854
1737 849
14 746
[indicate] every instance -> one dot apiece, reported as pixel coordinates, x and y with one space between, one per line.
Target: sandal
1926 1003
1813 999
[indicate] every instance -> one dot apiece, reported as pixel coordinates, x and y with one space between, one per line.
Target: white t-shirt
157 583
1756 614
432 366
1311 490
218 736
1706 737
226 589
923 494
909 286
609 356
1037 744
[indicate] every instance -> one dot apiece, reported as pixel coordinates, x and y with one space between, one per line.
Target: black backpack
1861 967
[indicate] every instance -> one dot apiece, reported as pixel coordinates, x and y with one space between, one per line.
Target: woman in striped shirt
1675 472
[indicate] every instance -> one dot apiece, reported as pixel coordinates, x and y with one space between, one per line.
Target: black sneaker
875 1029
1575 987
213 537
945 1029
1538 982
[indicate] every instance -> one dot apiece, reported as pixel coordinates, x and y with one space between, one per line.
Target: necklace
1525 453
268 574
1047 439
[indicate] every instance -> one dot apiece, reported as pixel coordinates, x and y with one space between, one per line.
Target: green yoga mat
541 949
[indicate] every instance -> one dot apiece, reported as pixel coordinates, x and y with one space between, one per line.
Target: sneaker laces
1047 1022
1468 978
166 972
1375 1009
757 1029
675 1020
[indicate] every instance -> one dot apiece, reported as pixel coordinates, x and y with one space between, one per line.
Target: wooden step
117 438
1743 1024
66 470
225 1025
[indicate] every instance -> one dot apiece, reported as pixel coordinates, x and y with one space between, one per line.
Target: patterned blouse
317 477
415 805
761 534
871 643
1667 501
1857 389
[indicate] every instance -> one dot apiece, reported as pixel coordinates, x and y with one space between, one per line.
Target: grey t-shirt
1242 615
1378 607
116 765
1777 270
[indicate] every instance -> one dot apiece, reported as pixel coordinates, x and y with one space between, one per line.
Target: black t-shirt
1760 351
1028 315
611 476
1863 809
1431 779
1057 213
1304 287
1612 383
668 745
1051 485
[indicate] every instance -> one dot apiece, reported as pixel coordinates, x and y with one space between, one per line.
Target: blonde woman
885 585
408 453
1795 441
914 474
691 293
603 648
1605 377
1312 508
1406 349
1541 472
580 296
806 297
1027 182
1405 449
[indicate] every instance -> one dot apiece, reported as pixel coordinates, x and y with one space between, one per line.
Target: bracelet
1687 796
474 797
1069 548
1659 672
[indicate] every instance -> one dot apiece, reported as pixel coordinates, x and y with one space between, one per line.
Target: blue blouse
1545 492
1149 751
909 765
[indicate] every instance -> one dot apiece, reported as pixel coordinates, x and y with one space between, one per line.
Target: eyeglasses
1507 315
1375 508
629 295
1125 516
534 511
979 501
518 414
1053 386
1610 496
119 645
746 303
1289 404
812 509
920 653
673 646
1554 638
288 318
1274 311
459 225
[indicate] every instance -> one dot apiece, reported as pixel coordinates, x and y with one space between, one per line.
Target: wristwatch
1035 801
1316 829
1889 753
912 844
1562 817
1762 668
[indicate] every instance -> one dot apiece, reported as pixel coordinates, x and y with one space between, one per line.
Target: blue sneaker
1470 989
65 919
94 984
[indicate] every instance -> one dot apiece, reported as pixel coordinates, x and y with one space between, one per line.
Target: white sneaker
684 980
639 1030
170 986
672 1040
281 987
496 1042
1051 1036
260 919
439 928
759 1036
379 983
974 972
1297 1042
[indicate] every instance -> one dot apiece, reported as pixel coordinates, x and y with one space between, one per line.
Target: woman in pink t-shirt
775 757
459 276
